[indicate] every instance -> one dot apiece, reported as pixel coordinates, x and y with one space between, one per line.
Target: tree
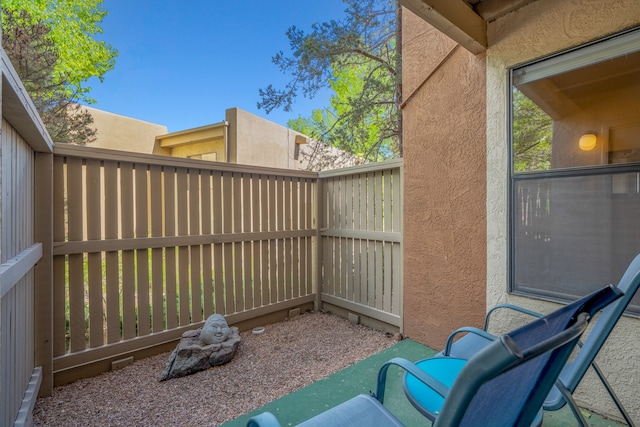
358 58
532 135
51 44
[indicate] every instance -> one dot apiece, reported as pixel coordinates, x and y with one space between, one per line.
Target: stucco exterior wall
117 132
444 182
257 141
536 30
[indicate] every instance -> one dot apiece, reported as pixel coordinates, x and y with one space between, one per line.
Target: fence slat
112 269
247 266
280 260
256 215
194 258
59 262
207 268
227 227
170 252
157 261
76 262
238 279
183 251
218 248
94 232
264 244
129 321
142 256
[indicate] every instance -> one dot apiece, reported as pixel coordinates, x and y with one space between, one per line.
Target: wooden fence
22 140
146 247
361 229
18 255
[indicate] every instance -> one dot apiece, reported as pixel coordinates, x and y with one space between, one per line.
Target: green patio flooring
361 378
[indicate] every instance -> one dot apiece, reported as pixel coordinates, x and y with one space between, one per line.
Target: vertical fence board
264 244
273 270
207 268
142 255
76 261
129 322
218 265
183 251
238 279
247 246
256 216
287 256
170 252
281 283
112 268
371 244
295 225
194 259
227 227
94 259
157 261
59 262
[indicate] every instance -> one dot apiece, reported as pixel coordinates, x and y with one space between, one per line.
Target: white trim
581 57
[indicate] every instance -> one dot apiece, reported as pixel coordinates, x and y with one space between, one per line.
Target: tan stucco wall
444 182
118 132
257 141
536 30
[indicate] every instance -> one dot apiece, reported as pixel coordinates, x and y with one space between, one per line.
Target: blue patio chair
574 371
504 384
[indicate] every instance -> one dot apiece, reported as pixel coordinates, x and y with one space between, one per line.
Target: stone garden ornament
212 345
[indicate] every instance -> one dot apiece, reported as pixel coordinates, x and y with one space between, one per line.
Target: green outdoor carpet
361 377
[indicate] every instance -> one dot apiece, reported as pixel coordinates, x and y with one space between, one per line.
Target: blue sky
183 63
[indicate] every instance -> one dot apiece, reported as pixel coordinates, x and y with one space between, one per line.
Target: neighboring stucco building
242 138
123 133
487 221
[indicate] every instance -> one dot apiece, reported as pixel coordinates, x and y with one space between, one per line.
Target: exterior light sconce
301 139
587 142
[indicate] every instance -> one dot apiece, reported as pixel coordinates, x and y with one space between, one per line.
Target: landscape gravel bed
287 356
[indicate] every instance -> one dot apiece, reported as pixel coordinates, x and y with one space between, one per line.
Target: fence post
43 273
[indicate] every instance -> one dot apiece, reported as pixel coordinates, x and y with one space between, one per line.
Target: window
575 169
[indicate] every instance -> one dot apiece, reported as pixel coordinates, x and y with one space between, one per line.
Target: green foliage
357 59
51 46
532 135
72 26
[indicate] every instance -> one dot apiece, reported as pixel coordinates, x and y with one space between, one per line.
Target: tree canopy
359 60
52 45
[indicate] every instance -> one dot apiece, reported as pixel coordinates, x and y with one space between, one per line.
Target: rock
193 355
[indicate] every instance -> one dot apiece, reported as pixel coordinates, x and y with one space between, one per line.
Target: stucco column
445 184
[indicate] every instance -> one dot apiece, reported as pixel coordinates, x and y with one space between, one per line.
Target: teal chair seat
424 398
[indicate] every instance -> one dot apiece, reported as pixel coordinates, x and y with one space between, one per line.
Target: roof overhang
464 21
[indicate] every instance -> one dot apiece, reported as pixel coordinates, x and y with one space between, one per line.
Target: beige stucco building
462 63
242 138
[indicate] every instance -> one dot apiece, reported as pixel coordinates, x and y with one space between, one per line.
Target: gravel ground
288 356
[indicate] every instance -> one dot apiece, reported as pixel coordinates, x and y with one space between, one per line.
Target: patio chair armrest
265 419
510 307
408 366
468 330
